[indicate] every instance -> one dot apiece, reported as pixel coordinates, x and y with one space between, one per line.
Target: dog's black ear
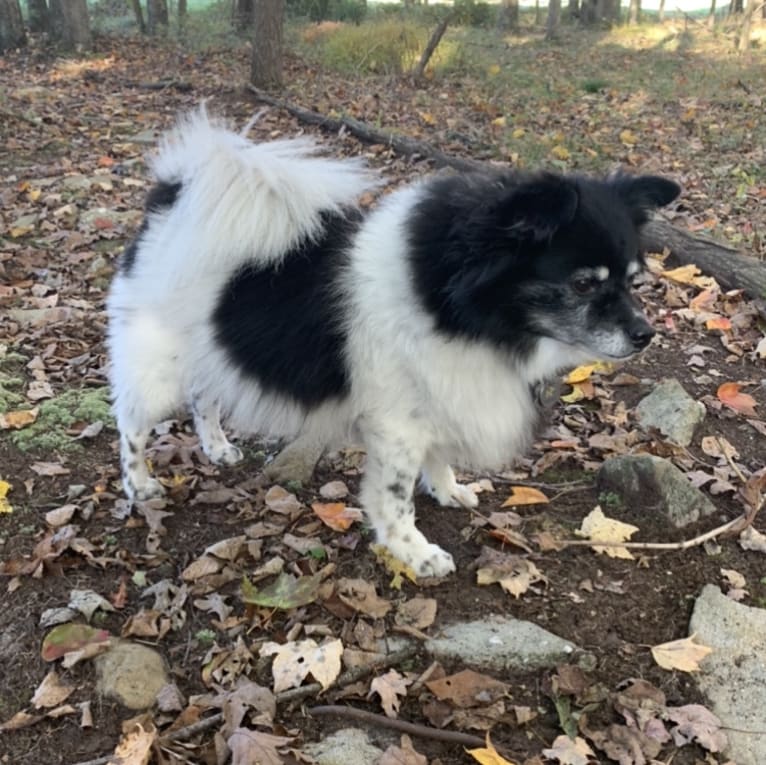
644 193
538 207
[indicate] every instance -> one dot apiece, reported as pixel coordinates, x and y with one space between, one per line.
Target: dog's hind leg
438 480
393 462
136 481
207 422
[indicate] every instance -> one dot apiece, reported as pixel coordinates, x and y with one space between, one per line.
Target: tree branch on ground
433 43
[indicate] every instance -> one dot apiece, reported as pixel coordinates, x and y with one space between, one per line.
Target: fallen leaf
360 595
729 394
336 515
5 505
683 274
49 468
416 612
718 322
402 755
752 539
628 138
282 501
525 495
683 655
18 419
66 638
60 516
560 152
468 688
51 692
395 566
488 755
512 572
582 373
333 490
390 687
295 660
255 746
284 593
596 527
697 723
569 751
135 747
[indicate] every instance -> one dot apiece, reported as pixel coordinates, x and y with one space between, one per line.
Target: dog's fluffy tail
240 199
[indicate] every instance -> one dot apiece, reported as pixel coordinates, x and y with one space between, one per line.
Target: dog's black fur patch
283 324
161 196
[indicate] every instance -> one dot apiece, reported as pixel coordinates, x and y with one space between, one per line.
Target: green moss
59 414
10 382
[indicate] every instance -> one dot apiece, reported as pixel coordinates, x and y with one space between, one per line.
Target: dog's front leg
393 464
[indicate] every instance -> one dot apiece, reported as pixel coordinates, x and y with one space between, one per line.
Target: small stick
414 729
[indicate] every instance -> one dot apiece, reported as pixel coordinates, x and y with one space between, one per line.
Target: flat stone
349 746
672 411
131 673
644 480
500 643
733 677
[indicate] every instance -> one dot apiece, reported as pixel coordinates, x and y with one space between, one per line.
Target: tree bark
12 33
508 16
433 43
157 16
39 19
70 24
743 44
266 61
731 268
138 12
635 12
573 9
661 12
242 16
552 21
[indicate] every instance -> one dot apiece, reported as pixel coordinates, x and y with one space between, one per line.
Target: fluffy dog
257 292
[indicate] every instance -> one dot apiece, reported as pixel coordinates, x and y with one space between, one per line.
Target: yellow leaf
34 194
18 419
427 118
683 655
598 528
488 755
580 374
5 505
524 495
560 152
628 137
493 70
20 231
499 122
394 565
519 133
577 394
682 274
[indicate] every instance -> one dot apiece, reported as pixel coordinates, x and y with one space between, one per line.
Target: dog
257 292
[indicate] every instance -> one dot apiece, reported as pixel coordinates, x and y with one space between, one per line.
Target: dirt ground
613 609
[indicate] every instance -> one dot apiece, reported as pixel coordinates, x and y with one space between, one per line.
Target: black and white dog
257 292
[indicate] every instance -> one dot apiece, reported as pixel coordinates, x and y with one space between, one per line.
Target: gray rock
500 643
131 673
733 677
350 746
672 411
642 479
296 462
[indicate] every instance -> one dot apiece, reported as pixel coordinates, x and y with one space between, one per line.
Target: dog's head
555 256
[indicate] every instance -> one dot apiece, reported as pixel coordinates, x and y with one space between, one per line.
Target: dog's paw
454 495
151 488
424 558
225 454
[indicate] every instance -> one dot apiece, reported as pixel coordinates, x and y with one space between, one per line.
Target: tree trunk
12 33
70 24
242 16
538 14
735 6
573 9
182 13
157 16
711 15
661 12
39 20
508 16
433 42
552 22
731 269
743 44
139 14
266 62
635 12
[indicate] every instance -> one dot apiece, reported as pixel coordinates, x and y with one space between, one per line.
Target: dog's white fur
418 401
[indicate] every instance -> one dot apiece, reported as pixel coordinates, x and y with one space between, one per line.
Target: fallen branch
313 689
433 42
413 729
401 144
182 87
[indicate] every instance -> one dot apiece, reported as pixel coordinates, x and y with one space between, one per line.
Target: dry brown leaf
416 612
51 692
567 751
683 655
281 501
596 527
360 595
729 393
402 755
135 747
336 515
525 495
752 539
334 490
390 687
468 689
295 660
512 572
18 419
255 746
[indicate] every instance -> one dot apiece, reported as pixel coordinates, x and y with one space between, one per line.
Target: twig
433 42
183 734
736 525
414 729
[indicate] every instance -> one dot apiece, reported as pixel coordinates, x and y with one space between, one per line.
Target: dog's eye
583 285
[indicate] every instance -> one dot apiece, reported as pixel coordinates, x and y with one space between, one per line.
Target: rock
672 411
733 677
296 462
349 746
645 480
131 673
500 643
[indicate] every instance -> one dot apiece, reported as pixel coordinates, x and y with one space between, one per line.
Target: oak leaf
295 660
390 687
683 655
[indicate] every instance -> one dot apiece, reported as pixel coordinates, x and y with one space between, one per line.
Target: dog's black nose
641 334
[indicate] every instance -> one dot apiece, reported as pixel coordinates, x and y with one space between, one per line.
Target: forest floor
677 101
